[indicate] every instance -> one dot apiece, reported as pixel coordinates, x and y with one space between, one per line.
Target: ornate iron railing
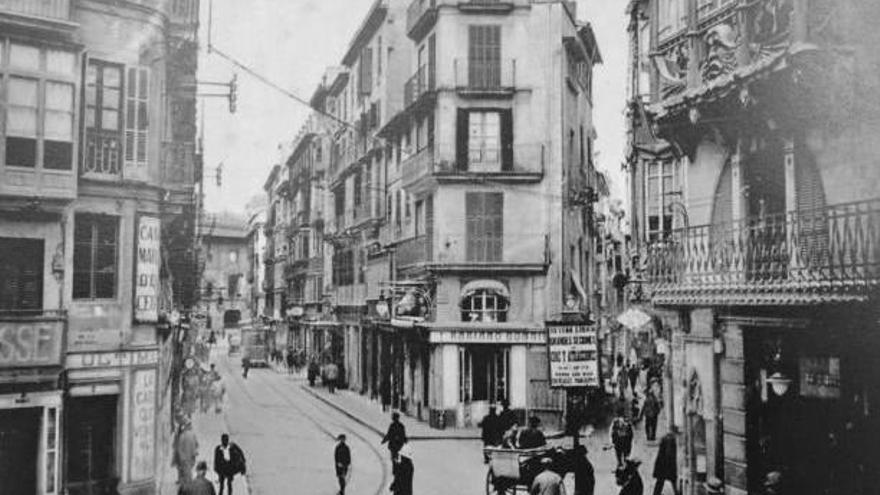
103 155
834 250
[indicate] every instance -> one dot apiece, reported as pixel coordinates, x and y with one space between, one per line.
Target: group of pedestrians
401 458
229 461
502 430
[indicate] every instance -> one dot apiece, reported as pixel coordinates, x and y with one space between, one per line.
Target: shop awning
488 285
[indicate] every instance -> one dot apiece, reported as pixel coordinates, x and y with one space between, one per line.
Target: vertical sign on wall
143 418
574 356
147 259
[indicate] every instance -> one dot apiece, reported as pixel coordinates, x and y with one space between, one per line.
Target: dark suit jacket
235 464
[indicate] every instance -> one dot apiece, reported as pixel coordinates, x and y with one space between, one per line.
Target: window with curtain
484 218
484 306
662 188
94 256
485 140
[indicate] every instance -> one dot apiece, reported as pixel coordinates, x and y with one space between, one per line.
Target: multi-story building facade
756 216
275 288
225 288
256 247
97 166
441 280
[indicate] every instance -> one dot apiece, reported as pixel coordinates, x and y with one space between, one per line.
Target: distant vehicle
233 336
255 345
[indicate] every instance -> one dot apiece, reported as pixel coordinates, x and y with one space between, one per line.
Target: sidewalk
370 414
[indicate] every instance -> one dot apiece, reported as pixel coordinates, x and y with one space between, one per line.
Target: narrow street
288 437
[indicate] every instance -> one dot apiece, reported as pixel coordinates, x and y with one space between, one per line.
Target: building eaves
267 186
374 19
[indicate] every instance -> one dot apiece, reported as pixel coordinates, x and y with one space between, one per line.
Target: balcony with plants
829 254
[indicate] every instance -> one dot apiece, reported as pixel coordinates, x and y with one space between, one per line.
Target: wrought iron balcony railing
485 75
832 254
103 155
422 82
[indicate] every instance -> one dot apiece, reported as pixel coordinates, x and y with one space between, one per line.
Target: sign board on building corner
573 355
147 262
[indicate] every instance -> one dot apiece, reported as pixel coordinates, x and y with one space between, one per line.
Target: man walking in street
200 485
245 366
395 437
584 474
621 436
228 461
491 433
651 410
665 466
342 458
547 482
331 374
186 449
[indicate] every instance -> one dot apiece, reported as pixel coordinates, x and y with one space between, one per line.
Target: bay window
38 105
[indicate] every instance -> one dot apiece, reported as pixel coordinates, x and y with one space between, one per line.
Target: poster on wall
820 377
143 422
573 354
147 259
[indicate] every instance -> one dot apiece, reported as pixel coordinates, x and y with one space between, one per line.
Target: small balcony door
484 57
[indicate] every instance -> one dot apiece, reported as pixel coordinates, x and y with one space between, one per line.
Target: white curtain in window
59 111
21 117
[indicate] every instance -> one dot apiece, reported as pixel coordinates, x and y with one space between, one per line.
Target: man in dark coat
396 435
200 485
584 474
491 434
228 461
313 371
665 467
651 411
629 479
402 470
532 437
342 459
506 418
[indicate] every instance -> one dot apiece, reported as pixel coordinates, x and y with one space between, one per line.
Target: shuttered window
484 226
94 257
136 123
366 71
21 274
484 57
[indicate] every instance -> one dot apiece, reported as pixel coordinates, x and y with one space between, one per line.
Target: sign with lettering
30 343
112 359
820 377
573 354
498 336
143 422
147 260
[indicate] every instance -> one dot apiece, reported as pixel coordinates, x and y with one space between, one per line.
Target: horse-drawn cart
512 471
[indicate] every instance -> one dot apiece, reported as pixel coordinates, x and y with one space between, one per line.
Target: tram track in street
318 417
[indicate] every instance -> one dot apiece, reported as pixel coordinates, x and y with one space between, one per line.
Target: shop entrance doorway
19 434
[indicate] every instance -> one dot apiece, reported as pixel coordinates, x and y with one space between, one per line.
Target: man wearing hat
200 485
532 437
342 458
547 482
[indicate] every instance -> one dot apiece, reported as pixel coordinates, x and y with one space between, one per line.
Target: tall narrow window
103 118
379 58
366 72
484 226
484 57
21 122
58 142
136 123
21 274
662 187
94 257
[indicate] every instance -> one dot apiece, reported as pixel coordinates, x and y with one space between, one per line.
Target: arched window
484 301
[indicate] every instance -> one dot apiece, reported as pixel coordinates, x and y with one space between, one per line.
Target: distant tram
255 345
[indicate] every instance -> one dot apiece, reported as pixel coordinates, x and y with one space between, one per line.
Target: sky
291 42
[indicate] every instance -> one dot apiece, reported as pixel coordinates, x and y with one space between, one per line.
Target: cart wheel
490 483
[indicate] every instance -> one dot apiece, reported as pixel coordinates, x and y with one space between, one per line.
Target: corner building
94 173
756 216
456 232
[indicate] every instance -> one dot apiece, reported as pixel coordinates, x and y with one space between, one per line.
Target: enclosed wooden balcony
826 255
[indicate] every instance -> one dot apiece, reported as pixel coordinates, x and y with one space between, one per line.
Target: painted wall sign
112 359
143 421
30 343
93 327
573 354
147 260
